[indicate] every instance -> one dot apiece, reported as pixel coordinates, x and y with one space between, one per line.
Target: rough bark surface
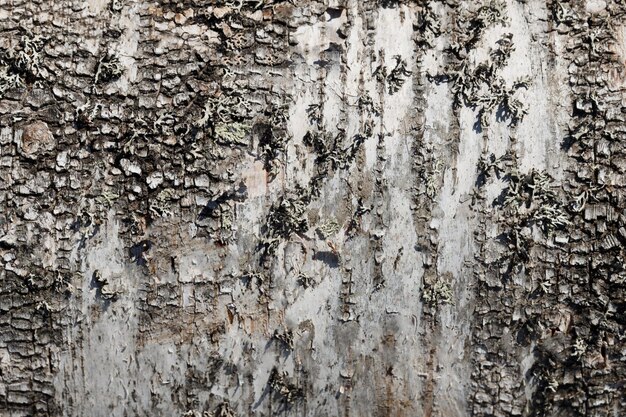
312 208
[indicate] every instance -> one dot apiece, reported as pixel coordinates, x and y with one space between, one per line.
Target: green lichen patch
233 133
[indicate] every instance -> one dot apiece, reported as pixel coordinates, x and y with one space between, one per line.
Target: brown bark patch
36 139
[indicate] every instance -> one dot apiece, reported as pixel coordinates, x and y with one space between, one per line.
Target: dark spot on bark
136 252
329 258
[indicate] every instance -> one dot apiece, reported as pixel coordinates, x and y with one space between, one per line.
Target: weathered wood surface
307 208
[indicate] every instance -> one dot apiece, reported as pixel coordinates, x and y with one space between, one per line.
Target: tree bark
312 208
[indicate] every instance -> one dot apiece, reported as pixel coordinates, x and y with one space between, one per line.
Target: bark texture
312 208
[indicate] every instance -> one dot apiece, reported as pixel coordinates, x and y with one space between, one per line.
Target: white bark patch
618 77
106 372
314 39
127 49
394 37
97 6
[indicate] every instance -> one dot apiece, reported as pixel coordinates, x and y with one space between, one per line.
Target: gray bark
312 208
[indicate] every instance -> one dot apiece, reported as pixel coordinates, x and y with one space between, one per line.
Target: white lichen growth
254 4
287 217
109 68
21 63
161 206
552 384
328 228
434 179
532 198
224 109
196 413
43 307
580 201
437 293
26 57
579 348
9 80
116 5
